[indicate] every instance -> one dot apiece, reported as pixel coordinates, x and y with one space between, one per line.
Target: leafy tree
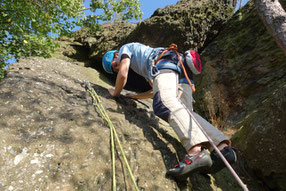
30 27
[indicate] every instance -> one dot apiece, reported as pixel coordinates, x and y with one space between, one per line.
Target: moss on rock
189 24
242 87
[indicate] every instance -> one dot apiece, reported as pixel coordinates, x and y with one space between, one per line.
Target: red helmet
193 61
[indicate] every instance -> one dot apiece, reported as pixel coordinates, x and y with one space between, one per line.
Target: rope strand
113 132
243 186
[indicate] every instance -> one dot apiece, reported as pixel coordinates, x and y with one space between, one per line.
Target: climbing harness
97 102
173 47
243 186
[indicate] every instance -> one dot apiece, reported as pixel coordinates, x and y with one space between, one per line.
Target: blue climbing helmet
107 60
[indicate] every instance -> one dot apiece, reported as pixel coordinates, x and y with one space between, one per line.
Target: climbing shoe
191 164
218 163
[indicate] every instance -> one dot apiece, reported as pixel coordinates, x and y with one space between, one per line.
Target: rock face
262 137
107 38
52 138
243 87
189 24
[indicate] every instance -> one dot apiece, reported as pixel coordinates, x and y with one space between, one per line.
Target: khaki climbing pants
167 104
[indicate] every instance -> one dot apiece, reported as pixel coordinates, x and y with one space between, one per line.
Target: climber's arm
145 95
121 78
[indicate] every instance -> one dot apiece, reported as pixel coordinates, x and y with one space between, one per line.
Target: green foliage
2 65
112 9
30 27
27 26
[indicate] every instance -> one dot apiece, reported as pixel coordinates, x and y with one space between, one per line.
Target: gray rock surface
52 137
189 24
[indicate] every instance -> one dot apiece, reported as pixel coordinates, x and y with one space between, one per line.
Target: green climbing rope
104 115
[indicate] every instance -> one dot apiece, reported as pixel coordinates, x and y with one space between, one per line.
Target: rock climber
172 96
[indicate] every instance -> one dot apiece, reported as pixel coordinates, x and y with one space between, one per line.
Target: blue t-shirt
140 57
138 54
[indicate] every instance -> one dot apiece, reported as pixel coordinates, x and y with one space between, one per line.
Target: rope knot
173 47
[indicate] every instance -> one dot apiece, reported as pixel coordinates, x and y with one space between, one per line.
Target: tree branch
86 9
5 59
274 18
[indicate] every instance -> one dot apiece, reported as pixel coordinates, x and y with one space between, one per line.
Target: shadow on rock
156 135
